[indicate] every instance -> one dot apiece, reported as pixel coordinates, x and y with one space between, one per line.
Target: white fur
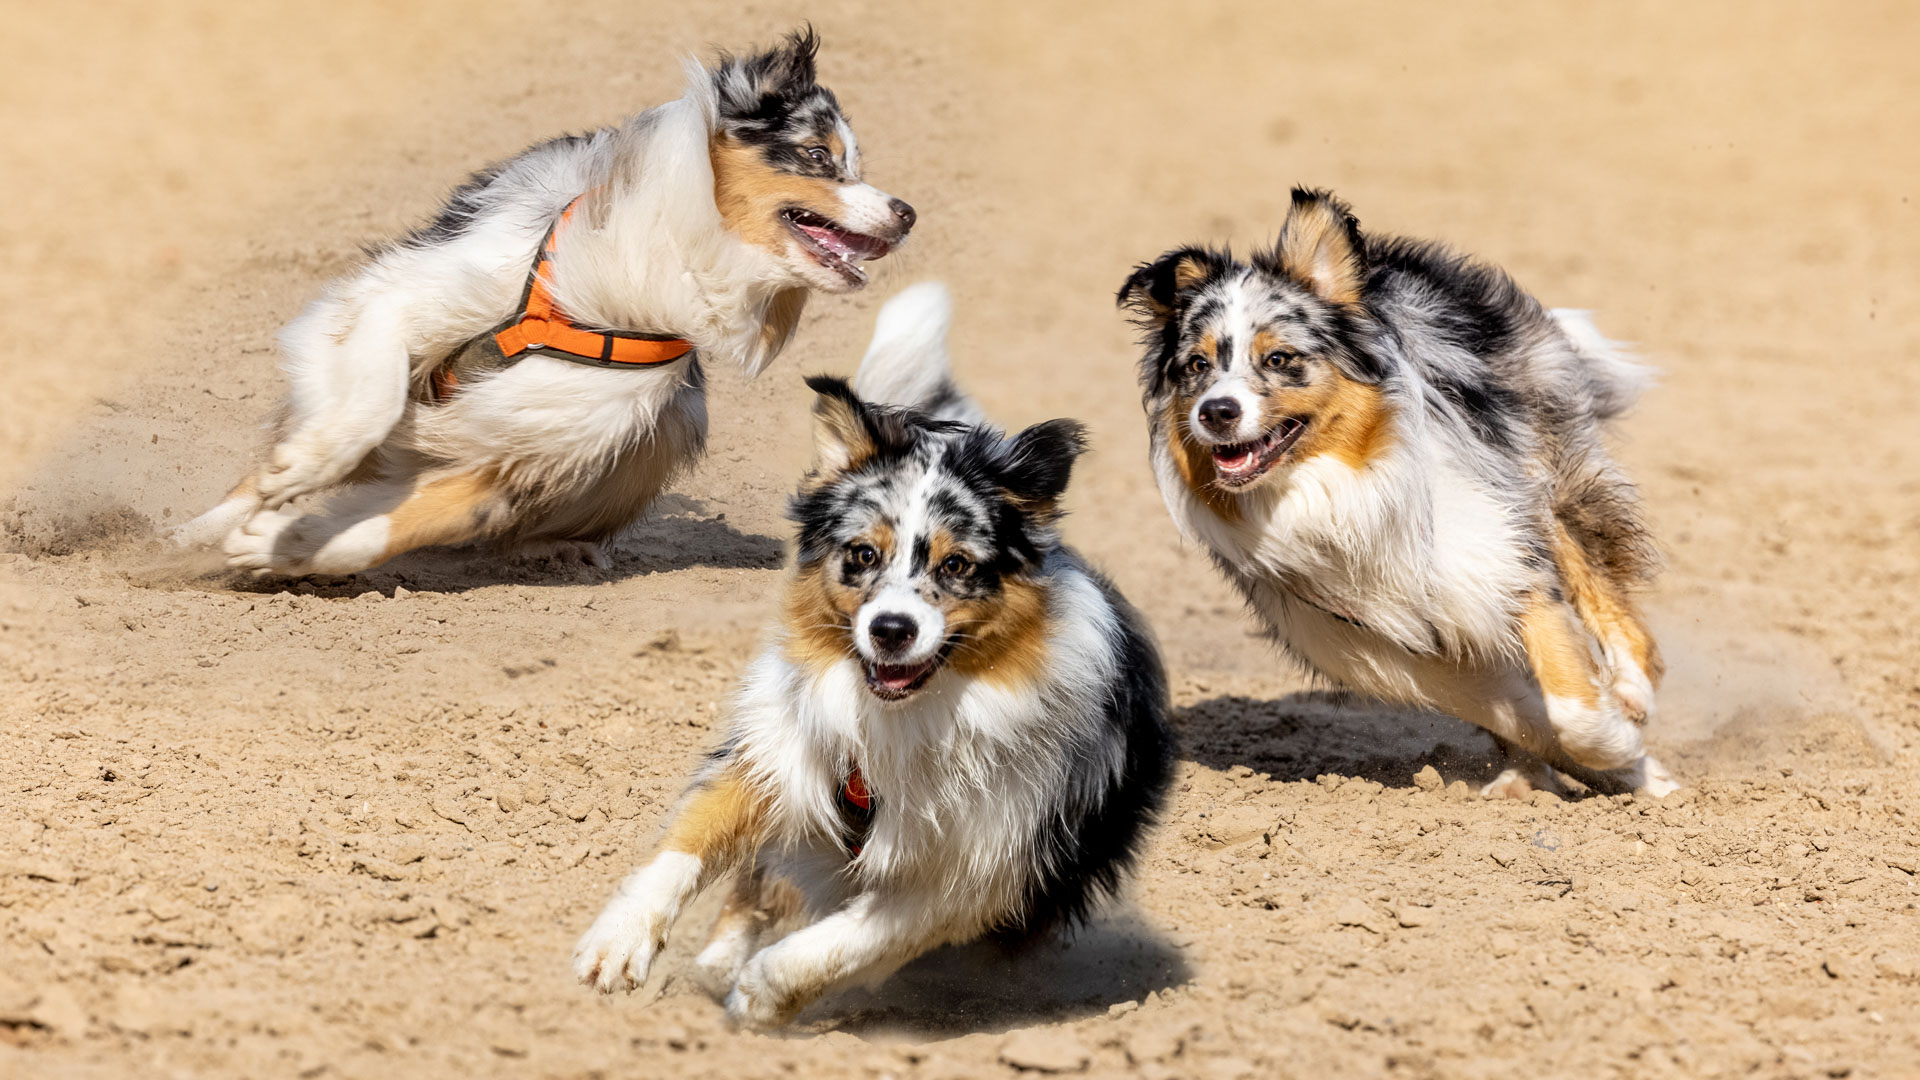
1403 579
907 361
646 251
618 950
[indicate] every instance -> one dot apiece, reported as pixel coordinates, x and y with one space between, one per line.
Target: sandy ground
352 827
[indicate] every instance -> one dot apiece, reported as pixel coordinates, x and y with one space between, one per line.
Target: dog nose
1220 414
904 212
892 633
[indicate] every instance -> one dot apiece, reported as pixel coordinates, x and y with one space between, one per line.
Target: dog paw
718 966
299 466
618 950
260 545
566 553
753 1005
213 526
1520 781
1651 778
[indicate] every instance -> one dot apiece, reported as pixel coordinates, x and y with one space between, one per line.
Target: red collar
542 326
856 809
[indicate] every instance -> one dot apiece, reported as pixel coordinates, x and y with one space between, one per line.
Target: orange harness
541 327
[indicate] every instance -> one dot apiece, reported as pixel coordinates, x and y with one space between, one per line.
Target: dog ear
1320 247
844 432
1039 461
751 87
1152 288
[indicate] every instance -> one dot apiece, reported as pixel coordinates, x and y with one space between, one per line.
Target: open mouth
1240 465
838 249
896 682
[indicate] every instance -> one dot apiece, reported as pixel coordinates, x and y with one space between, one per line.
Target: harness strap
543 326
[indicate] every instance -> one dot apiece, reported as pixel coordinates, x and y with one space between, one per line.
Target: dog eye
863 554
955 565
1197 365
1281 358
819 154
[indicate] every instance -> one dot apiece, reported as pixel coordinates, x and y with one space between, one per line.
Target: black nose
1220 414
904 212
892 633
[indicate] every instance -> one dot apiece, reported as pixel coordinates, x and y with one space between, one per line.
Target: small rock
1121 1008
1428 779
1458 791
1040 1050
446 808
1410 916
1842 966
59 1010
579 805
508 800
1156 1041
1900 966
401 592
1356 912
1239 824
534 792
1502 945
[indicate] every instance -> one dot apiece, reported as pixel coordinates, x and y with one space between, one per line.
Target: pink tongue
896 678
850 246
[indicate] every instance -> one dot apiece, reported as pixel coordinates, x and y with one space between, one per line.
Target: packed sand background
352 827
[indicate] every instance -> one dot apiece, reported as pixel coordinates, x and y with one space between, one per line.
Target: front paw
618 950
754 1005
300 465
262 545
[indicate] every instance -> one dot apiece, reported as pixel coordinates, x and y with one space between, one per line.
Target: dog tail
1616 377
906 363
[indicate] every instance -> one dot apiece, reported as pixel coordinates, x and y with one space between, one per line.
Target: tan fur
1004 639
1316 249
782 320
718 821
819 617
445 510
1562 662
750 194
1349 421
1605 606
841 440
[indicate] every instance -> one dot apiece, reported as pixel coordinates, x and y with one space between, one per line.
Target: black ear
753 87
1320 247
1153 287
1039 461
844 430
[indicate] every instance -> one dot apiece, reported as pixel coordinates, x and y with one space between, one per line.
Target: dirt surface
353 827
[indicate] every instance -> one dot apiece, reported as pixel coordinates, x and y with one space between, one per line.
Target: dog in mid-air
526 369
1395 454
957 729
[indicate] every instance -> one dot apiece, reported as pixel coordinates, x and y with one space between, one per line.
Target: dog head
786 170
1251 367
920 541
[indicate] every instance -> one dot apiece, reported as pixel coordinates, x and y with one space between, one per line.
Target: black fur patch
1090 846
772 101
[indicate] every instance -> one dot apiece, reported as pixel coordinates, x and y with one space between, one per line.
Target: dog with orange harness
447 393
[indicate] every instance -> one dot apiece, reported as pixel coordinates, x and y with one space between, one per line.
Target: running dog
957 729
445 394
1395 454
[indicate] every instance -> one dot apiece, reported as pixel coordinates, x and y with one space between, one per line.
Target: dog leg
863 941
717 822
1609 614
347 361
1601 745
367 525
211 527
759 904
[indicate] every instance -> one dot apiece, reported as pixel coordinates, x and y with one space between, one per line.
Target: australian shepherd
526 368
956 729
1395 454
